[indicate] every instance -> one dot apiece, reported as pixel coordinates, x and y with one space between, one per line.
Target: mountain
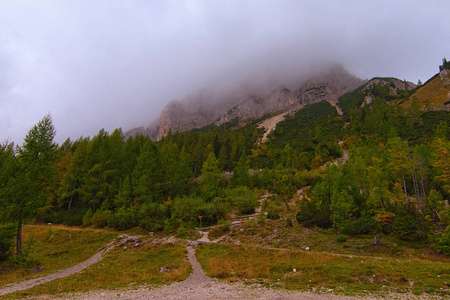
205 107
329 86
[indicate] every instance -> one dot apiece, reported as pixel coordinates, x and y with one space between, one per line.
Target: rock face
329 86
394 85
203 108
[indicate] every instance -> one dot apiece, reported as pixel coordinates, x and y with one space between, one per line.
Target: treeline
395 181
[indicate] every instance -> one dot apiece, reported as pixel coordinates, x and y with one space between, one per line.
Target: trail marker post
200 218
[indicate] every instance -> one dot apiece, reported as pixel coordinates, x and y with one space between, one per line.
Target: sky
95 64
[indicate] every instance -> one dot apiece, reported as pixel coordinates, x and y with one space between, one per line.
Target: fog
107 64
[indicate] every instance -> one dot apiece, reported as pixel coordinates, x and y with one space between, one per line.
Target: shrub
244 199
443 242
181 232
341 238
190 208
289 222
224 225
362 225
122 220
87 218
273 216
100 218
407 227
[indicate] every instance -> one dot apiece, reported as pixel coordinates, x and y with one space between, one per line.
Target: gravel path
198 286
24 285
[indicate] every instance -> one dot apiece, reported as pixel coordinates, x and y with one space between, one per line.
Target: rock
307 248
205 107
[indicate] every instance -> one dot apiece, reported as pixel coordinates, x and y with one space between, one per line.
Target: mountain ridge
204 108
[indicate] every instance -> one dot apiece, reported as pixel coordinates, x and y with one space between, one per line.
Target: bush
190 208
181 232
225 225
272 216
122 220
443 242
407 227
100 218
87 218
244 199
362 225
7 233
289 222
341 238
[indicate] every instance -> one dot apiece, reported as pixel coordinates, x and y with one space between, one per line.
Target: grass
122 267
432 93
320 270
52 248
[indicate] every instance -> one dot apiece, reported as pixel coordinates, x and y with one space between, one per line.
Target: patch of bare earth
270 124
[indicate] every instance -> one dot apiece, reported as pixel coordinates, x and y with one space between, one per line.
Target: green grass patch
147 264
317 270
52 248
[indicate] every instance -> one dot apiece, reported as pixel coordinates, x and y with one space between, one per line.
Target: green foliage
407 227
341 238
224 225
363 225
443 242
190 208
122 220
272 216
181 232
289 222
7 233
101 218
243 198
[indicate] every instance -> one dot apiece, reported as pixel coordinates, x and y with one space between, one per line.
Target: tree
442 163
399 162
240 174
30 174
210 176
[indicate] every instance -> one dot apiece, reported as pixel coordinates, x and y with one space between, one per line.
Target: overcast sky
107 64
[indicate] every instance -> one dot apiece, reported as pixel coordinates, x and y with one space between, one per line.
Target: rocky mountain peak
204 107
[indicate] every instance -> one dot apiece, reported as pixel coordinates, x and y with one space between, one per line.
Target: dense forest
378 168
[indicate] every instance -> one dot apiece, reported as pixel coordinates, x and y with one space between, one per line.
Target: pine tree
210 176
240 174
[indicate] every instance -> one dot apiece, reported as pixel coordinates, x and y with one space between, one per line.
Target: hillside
434 94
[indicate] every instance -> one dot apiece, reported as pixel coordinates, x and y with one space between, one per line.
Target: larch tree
30 175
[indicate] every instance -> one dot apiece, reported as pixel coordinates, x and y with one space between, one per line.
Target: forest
379 168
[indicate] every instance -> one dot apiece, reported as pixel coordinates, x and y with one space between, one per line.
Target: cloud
108 64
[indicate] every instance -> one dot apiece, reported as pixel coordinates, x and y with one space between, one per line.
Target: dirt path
196 286
199 286
24 285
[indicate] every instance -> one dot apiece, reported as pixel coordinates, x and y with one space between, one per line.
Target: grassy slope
432 93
